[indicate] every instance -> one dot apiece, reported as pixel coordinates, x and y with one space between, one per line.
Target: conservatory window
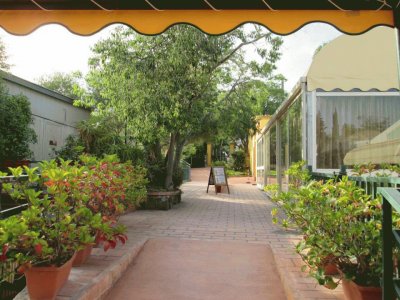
357 128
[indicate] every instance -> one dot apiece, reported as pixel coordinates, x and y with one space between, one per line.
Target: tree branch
226 58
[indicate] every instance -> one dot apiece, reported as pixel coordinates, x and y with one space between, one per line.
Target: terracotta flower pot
353 291
329 267
44 283
82 256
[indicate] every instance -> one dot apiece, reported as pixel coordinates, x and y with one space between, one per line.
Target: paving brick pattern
243 215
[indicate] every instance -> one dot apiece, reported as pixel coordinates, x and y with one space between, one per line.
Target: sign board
218 178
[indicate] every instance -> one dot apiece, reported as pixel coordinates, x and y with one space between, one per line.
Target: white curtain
345 123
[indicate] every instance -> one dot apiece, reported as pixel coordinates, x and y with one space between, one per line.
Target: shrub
338 221
50 230
71 150
68 206
15 131
219 163
238 160
177 178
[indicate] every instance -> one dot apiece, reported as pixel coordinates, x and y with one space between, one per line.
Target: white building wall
54 120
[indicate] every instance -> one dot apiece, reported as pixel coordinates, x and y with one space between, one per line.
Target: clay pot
44 283
82 256
353 291
329 267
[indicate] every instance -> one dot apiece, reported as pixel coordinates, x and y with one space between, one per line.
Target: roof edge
35 87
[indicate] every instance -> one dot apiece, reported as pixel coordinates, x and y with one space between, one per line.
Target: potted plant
337 220
50 234
100 190
111 188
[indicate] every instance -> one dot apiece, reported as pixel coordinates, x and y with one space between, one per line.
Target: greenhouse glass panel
357 129
271 170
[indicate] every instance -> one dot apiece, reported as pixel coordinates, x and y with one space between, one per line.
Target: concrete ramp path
178 269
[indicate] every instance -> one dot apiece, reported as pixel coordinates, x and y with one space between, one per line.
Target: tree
15 131
166 87
239 111
67 84
4 66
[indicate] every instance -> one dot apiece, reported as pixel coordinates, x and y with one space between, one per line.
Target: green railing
369 183
9 207
390 284
186 170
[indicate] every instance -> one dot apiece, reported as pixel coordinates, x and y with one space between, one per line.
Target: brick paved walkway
243 215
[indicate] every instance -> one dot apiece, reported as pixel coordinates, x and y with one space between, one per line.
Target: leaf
38 249
122 239
106 246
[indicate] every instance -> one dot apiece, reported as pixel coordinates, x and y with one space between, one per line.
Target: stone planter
163 200
353 291
44 283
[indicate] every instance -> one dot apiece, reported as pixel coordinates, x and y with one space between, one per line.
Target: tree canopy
175 86
67 84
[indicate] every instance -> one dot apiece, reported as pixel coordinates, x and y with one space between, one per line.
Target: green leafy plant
111 187
219 163
49 230
339 223
69 206
15 131
238 160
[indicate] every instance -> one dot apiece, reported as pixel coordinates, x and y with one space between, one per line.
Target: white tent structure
345 111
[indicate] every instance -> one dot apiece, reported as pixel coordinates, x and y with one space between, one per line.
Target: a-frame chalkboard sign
218 178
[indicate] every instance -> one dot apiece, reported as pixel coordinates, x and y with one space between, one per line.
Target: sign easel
217 178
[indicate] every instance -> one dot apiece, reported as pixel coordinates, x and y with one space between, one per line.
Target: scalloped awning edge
87 22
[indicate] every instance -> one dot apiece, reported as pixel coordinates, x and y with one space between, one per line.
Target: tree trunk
180 142
170 163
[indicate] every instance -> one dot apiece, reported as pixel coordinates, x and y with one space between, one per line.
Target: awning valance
85 17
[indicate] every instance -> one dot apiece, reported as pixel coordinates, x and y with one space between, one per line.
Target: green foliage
237 161
15 131
233 173
177 178
51 231
4 66
188 151
66 84
71 150
166 88
219 163
69 206
98 136
370 169
339 224
249 99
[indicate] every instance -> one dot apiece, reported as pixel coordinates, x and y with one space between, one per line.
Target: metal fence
8 206
390 237
370 184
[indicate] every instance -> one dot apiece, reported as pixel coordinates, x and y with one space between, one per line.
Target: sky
52 48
